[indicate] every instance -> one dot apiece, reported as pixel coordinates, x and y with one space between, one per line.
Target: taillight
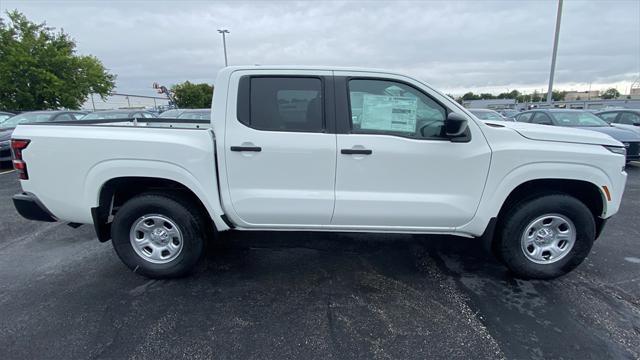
17 145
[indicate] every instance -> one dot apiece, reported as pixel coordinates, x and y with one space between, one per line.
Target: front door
395 167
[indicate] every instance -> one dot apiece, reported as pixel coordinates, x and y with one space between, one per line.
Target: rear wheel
545 237
158 235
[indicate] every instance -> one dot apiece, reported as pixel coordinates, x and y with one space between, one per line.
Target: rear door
395 167
280 149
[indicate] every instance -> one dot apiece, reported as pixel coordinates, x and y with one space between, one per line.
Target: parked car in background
509 114
195 114
171 114
8 125
584 120
628 119
5 115
487 115
119 114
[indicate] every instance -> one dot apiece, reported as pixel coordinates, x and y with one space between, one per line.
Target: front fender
500 187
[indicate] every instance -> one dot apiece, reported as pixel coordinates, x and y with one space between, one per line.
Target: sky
479 46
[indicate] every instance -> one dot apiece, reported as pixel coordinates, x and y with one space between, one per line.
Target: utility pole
224 44
555 52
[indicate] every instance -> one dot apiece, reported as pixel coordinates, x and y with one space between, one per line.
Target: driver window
388 107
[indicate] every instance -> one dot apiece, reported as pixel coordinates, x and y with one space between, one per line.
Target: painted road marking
6 172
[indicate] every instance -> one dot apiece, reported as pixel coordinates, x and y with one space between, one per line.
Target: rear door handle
246 148
356 151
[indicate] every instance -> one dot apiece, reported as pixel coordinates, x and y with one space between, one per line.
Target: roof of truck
311 67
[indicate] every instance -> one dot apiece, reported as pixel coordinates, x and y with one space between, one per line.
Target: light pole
224 44
555 52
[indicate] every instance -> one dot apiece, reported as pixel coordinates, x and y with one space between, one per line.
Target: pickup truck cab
326 149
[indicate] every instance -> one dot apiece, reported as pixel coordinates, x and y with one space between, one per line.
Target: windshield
193 115
487 115
170 113
107 115
4 117
25 118
577 118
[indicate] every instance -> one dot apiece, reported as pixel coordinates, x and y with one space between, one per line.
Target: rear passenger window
284 104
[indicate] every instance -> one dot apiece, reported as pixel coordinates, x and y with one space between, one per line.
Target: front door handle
356 151
246 148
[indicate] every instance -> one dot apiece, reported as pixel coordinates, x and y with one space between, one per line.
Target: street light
555 52
224 44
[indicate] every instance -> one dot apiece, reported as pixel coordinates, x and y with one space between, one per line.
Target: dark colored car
119 114
195 114
584 120
7 126
486 114
621 116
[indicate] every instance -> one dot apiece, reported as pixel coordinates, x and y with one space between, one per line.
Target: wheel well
115 192
584 191
588 193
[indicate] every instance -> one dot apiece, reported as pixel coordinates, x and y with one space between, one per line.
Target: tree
470 96
192 96
40 70
611 93
558 95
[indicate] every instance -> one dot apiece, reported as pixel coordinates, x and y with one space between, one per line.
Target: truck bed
74 160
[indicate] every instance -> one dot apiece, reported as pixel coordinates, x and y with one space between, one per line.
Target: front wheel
546 237
158 236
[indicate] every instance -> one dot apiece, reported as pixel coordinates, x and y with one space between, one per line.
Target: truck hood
560 134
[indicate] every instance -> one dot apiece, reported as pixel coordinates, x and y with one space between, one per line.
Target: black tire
189 221
522 214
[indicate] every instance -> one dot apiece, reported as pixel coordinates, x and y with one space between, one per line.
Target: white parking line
6 172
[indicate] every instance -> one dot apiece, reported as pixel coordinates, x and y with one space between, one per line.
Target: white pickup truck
326 149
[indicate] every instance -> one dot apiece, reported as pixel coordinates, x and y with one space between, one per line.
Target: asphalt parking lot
314 296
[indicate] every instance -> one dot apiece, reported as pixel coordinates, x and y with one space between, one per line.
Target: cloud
456 46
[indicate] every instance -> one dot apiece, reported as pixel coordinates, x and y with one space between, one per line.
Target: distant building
581 95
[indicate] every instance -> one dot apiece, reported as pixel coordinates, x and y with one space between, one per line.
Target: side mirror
456 128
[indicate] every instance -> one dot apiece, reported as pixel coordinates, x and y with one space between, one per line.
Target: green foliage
611 93
40 70
192 96
558 95
470 96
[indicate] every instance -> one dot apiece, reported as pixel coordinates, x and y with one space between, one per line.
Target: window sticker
388 113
